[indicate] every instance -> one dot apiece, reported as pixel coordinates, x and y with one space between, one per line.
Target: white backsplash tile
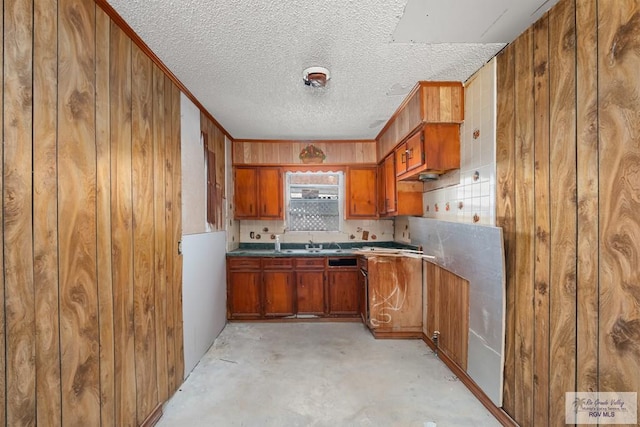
352 231
476 155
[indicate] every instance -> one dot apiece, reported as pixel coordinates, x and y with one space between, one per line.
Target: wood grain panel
562 198
3 335
432 304
542 221
103 221
505 206
453 295
79 335
122 226
143 233
619 155
159 155
285 152
171 245
177 234
587 190
17 204
45 208
220 165
524 247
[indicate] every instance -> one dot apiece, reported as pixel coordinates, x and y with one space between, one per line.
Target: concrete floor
320 374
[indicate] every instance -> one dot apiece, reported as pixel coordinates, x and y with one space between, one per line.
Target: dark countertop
298 250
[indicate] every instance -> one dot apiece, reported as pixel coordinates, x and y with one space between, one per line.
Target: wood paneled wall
286 152
567 169
90 323
214 138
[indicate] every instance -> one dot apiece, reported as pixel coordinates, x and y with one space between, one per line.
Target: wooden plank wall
215 142
286 152
91 317
567 174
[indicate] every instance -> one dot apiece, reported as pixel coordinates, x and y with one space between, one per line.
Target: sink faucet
337 244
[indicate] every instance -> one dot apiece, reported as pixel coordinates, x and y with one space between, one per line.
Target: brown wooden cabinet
395 296
244 288
343 292
310 285
258 192
434 148
389 185
400 198
428 102
447 305
361 192
279 287
270 287
410 154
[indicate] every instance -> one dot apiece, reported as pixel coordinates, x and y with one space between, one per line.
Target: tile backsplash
353 231
469 194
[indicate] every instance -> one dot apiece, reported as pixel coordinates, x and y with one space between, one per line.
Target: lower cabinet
244 288
278 293
447 306
394 292
344 294
279 287
259 288
310 292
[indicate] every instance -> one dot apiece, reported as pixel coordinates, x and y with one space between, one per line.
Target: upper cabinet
361 192
258 193
434 147
424 132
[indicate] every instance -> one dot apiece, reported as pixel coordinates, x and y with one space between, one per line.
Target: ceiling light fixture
316 76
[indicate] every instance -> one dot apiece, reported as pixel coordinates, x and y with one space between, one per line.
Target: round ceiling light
316 76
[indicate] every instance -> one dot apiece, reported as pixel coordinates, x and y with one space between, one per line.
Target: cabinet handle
264 208
251 207
403 157
410 153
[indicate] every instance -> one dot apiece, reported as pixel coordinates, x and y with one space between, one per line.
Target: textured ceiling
244 60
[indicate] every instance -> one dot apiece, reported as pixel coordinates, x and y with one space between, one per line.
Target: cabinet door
270 192
382 197
279 293
244 294
362 296
310 292
361 192
390 184
401 159
415 151
448 312
442 146
246 192
343 292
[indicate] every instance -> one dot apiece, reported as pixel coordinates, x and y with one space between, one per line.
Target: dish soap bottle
277 243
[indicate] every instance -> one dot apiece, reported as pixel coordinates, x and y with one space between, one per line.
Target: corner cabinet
361 192
258 193
435 147
397 197
394 296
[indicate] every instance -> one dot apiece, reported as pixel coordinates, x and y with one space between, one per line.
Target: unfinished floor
320 374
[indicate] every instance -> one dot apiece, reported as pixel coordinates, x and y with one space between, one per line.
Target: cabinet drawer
310 262
239 263
277 263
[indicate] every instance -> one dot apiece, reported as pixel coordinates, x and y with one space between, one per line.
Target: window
314 201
